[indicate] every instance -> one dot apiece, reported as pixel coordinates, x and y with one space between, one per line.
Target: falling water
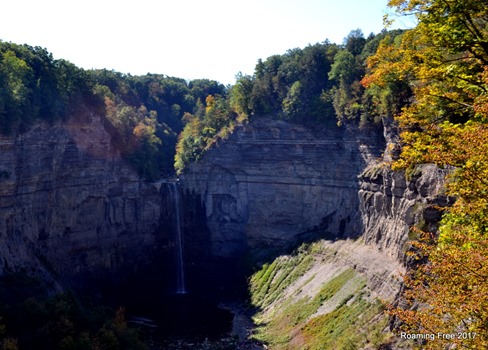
180 269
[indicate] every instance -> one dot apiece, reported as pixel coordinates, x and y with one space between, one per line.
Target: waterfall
180 268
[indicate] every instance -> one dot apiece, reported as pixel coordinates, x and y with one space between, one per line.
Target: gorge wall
273 184
70 206
390 205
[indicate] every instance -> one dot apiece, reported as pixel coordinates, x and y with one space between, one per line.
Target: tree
346 71
444 56
450 283
443 61
390 74
354 42
201 132
293 102
15 76
290 86
240 95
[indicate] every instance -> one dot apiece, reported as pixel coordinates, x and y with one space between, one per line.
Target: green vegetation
33 85
350 326
213 122
433 79
143 113
268 284
32 319
319 84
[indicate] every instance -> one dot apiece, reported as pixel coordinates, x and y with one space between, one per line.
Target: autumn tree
203 130
443 60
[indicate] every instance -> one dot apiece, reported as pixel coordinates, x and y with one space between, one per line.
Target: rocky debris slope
326 295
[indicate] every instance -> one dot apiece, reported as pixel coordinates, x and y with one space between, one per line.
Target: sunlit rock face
390 205
273 183
70 206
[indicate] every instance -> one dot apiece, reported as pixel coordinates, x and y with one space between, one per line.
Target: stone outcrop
390 204
70 206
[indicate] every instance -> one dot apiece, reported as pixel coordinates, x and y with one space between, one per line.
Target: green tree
280 79
240 95
354 42
15 76
293 102
347 95
33 85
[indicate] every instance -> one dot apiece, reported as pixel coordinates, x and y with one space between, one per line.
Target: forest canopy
161 123
319 84
143 113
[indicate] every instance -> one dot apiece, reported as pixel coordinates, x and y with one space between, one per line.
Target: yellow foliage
444 59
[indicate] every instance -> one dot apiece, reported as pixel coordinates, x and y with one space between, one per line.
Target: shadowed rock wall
70 206
273 184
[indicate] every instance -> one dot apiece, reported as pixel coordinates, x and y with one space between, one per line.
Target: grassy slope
316 299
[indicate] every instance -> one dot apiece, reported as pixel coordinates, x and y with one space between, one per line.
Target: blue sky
191 39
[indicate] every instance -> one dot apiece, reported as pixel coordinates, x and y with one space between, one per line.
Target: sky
190 39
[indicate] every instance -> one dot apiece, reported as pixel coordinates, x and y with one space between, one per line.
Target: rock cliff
390 204
70 206
273 184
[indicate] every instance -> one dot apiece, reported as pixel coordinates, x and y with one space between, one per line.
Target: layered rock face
390 205
273 183
70 205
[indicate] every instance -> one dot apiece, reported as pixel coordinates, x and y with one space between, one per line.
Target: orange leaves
450 291
385 65
444 61
448 294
